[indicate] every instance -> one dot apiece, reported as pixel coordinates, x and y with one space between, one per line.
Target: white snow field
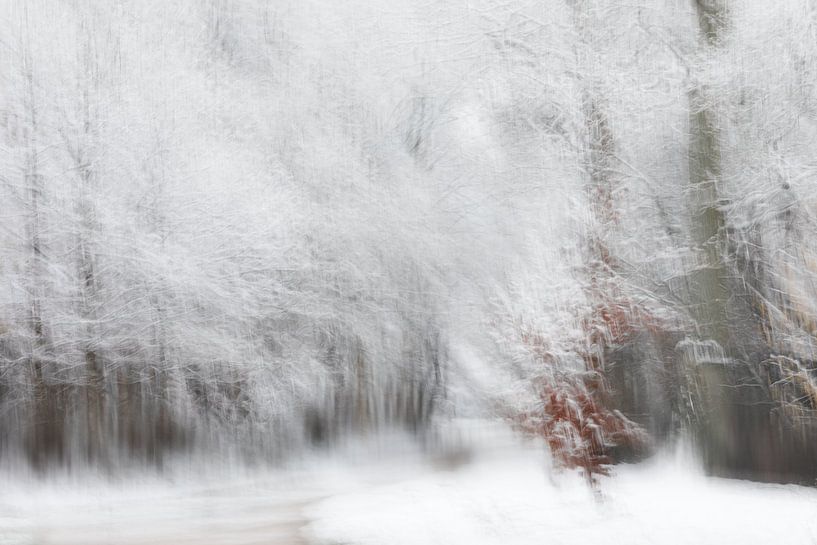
504 495
510 501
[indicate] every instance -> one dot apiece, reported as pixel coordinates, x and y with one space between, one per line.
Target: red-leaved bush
573 414
579 430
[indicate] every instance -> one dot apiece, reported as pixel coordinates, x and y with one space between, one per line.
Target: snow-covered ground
509 500
155 513
502 496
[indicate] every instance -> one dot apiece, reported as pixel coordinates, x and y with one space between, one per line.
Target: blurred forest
248 227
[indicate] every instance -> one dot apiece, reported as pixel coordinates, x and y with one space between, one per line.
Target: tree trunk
45 435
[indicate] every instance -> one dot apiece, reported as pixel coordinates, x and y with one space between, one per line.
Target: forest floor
511 501
249 513
502 496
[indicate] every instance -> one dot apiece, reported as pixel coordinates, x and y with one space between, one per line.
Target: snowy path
243 508
501 498
250 514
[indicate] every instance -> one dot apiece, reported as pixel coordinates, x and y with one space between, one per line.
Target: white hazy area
504 492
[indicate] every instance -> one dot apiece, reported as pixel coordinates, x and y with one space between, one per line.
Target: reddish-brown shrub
579 430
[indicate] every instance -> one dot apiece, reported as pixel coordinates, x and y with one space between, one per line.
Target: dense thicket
253 224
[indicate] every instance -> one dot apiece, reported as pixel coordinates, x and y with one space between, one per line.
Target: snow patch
511 501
